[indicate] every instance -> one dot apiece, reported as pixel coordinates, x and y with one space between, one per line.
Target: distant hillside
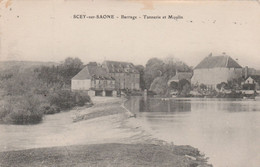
23 65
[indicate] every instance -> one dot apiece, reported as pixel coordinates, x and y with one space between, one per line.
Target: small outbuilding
252 82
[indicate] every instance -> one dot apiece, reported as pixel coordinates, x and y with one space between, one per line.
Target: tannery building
213 70
106 79
125 74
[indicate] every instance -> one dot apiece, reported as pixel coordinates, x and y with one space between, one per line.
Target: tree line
30 93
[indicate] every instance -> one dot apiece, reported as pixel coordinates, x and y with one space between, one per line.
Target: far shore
109 136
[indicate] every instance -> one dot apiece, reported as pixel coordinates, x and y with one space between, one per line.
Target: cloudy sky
44 30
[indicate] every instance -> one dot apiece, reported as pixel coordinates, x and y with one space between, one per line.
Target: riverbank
103 135
104 155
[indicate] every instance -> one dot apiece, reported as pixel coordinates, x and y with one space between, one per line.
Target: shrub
65 99
48 109
21 110
81 99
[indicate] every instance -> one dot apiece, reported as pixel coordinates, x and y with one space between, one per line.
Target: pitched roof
120 67
217 61
93 71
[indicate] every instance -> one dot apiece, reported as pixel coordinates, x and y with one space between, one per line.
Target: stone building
127 77
95 80
213 70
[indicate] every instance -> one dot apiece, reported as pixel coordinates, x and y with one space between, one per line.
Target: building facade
214 70
95 80
127 77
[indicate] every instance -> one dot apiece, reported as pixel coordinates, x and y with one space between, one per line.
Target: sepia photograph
129 83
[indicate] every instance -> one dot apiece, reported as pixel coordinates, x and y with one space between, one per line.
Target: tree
172 64
184 86
159 85
173 85
203 87
222 85
70 68
60 75
164 69
186 89
153 69
73 63
140 68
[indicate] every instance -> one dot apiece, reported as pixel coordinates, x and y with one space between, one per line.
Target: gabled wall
80 84
214 76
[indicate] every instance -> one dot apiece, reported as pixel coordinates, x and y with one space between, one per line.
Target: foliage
184 87
172 64
248 86
59 75
159 85
32 92
222 85
152 70
140 68
159 71
65 99
234 84
21 110
20 83
203 87
174 85
48 109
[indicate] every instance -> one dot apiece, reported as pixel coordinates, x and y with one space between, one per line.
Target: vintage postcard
129 83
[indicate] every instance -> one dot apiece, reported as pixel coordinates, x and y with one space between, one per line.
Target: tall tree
69 68
153 69
140 68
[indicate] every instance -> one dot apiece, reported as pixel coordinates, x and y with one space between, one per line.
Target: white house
95 80
213 70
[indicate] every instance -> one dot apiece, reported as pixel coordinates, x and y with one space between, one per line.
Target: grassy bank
105 155
103 106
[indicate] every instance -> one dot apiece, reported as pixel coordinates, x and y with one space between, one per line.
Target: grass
100 110
111 154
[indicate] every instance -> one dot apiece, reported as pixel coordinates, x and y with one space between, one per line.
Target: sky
44 30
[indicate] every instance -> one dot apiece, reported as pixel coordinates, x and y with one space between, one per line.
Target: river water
225 130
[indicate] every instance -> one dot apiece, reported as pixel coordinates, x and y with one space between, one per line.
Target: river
225 130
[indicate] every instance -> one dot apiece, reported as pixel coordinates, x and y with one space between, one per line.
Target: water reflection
158 105
226 130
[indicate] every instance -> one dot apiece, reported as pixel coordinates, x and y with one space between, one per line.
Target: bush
65 99
48 109
81 99
21 110
159 85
